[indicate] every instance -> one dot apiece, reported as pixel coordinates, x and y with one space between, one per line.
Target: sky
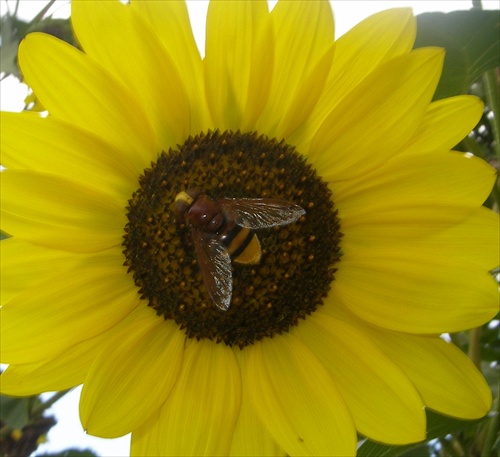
68 432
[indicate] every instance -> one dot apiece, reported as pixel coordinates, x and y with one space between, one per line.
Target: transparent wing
258 213
215 267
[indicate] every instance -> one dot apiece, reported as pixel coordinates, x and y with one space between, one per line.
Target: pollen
298 261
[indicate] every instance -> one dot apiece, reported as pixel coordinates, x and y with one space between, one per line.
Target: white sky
68 432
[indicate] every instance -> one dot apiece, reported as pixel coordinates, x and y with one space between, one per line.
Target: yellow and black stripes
242 244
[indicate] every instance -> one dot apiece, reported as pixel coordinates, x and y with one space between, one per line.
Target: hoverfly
223 230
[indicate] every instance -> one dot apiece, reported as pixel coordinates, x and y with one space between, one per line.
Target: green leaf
9 44
72 453
13 30
437 425
14 411
471 42
490 344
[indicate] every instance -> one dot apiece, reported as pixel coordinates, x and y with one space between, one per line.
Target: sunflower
336 330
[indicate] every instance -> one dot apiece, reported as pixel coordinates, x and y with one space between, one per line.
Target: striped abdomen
242 244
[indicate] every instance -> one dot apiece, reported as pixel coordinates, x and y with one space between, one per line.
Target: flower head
334 329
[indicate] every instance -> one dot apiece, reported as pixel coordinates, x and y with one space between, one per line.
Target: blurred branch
492 431
43 11
492 99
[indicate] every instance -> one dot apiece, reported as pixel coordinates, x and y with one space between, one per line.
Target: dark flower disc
298 260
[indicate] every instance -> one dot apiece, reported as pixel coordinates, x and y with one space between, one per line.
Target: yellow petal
476 241
238 62
75 88
463 235
51 211
297 400
200 414
180 45
305 95
64 371
362 49
25 264
111 34
49 145
378 117
424 180
415 290
368 45
115 387
304 50
146 438
445 377
445 124
83 302
250 435
383 402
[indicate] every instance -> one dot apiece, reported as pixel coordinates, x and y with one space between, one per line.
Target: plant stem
38 410
475 346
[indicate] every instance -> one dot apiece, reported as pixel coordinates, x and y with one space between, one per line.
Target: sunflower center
297 259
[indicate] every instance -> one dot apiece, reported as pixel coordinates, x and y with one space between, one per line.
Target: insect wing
258 213
215 267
